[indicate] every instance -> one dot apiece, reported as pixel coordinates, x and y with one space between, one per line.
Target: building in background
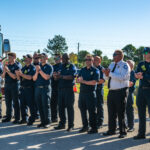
1 44
6 46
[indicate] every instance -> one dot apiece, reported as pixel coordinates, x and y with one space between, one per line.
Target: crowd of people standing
47 92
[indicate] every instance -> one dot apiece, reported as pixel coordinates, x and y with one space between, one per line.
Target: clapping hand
6 68
106 71
37 68
18 72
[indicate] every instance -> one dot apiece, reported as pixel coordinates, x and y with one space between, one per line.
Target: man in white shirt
118 83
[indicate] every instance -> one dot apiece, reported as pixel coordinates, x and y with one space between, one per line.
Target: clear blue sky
95 24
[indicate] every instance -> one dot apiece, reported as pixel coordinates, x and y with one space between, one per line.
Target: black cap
43 54
28 56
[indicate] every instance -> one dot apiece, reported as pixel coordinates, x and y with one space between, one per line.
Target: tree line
58 45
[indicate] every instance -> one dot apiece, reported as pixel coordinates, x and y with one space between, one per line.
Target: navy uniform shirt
56 68
101 76
47 69
67 69
88 75
12 68
28 70
132 79
144 67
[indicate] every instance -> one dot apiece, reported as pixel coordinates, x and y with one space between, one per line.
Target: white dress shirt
121 75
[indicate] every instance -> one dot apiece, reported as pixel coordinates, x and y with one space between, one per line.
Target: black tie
110 77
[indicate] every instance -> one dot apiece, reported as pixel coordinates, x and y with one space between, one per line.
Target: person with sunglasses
143 97
88 78
42 93
27 90
54 96
118 74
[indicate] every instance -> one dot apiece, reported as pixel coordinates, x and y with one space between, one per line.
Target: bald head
97 61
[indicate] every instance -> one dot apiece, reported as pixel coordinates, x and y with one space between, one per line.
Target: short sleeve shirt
47 69
28 70
89 75
12 68
67 69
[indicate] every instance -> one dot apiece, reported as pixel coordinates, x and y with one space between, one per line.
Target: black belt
145 87
41 87
26 87
117 90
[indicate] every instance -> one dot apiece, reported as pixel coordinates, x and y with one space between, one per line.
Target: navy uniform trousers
116 102
87 102
11 95
66 100
130 110
54 103
143 100
42 97
100 109
27 99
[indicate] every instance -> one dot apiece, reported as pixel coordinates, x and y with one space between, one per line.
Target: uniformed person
65 93
143 96
118 83
42 80
11 88
54 97
130 99
99 92
88 78
27 90
36 61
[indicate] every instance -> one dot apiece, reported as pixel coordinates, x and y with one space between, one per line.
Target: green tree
106 61
56 45
81 55
139 54
129 51
97 52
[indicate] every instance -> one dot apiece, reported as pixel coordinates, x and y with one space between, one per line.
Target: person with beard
65 93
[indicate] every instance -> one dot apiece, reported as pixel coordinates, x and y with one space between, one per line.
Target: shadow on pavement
16 137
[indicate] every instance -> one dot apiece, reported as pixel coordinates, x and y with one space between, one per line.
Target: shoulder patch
125 66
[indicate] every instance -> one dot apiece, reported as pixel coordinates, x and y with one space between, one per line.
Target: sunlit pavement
22 137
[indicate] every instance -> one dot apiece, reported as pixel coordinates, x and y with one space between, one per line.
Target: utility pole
0 28
78 47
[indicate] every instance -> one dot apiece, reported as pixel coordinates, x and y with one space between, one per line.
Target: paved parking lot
21 137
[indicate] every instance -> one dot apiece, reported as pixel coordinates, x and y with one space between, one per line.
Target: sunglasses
87 59
115 54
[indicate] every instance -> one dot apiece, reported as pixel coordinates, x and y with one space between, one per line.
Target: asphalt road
22 137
